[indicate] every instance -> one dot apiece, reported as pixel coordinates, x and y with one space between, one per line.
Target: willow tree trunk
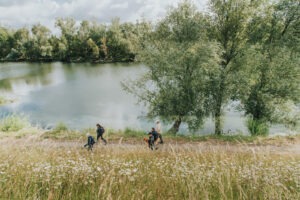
175 127
219 103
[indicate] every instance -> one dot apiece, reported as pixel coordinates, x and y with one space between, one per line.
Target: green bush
2 100
257 127
60 127
13 123
62 132
133 133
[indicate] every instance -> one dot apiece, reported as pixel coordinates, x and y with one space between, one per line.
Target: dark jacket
100 130
154 134
91 141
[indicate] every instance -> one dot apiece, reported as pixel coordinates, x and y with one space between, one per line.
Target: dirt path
292 148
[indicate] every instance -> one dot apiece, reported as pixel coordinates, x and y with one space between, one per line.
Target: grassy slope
131 136
32 168
37 164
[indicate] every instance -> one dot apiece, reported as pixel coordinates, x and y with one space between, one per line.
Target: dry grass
45 169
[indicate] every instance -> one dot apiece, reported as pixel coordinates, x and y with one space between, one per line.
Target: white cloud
19 13
123 5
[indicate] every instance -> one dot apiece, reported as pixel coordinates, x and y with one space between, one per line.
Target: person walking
100 131
159 132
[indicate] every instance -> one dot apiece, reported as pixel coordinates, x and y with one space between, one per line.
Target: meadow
32 167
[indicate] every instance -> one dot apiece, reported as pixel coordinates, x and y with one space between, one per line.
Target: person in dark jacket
90 142
100 131
153 136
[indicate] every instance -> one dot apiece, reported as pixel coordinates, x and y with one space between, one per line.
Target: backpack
102 130
91 140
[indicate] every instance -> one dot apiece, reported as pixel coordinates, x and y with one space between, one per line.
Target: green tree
116 42
93 49
228 25
98 35
5 44
67 44
41 48
84 45
21 38
272 64
180 61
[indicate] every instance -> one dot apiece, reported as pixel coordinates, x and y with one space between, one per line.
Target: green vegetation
228 26
13 123
244 51
61 131
257 127
60 127
18 127
88 42
55 165
180 59
272 65
62 170
2 100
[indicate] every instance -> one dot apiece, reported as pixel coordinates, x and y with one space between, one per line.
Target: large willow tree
229 21
181 62
270 89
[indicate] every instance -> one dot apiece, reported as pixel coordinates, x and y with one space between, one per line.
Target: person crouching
90 142
153 135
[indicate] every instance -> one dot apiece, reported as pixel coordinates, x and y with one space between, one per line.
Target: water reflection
20 75
5 85
78 94
82 95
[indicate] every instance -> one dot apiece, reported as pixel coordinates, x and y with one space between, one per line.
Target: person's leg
153 139
160 138
103 139
149 143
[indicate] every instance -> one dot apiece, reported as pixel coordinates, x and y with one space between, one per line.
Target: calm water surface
81 95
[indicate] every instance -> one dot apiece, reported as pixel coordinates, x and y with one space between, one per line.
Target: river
82 94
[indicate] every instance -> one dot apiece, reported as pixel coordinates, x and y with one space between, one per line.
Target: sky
25 13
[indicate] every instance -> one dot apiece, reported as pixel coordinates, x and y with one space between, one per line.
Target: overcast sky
20 13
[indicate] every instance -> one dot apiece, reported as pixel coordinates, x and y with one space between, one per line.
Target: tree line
246 51
89 41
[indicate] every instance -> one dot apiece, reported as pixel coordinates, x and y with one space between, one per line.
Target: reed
45 169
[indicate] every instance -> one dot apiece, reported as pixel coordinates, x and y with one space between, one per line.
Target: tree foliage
240 50
180 61
88 41
228 26
272 64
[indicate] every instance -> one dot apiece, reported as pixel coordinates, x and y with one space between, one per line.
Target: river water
81 95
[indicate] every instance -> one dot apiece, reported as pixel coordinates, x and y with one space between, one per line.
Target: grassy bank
19 127
62 133
51 170
40 164
4 100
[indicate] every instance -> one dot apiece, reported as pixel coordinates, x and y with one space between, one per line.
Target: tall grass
2 100
257 127
61 131
60 170
14 123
